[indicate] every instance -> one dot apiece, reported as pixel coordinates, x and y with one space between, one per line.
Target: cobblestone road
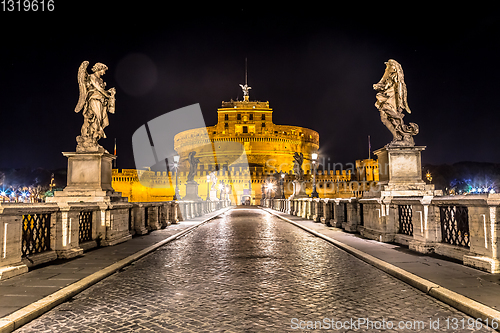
248 271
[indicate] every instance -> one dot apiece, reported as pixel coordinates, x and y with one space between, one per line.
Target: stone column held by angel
95 102
392 101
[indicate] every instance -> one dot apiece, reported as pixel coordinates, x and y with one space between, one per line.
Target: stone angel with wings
96 102
392 101
298 159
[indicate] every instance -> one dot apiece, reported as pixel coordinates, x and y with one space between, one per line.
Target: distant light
492 191
485 190
473 190
314 156
3 193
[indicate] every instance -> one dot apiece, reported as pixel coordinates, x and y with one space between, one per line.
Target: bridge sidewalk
22 297
441 273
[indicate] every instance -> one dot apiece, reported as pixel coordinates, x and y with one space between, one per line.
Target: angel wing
403 95
401 88
82 84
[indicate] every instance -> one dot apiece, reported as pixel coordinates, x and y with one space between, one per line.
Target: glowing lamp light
473 190
492 191
3 194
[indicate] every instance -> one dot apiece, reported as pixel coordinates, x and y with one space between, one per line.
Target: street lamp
52 184
428 176
176 166
208 187
314 156
282 178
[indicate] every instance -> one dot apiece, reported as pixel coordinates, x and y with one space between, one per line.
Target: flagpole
369 148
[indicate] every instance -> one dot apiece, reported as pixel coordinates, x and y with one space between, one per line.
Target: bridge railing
35 233
466 228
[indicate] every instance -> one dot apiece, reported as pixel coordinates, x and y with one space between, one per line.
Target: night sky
316 67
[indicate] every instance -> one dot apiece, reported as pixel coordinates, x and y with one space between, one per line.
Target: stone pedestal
89 179
191 191
299 190
400 167
213 195
400 172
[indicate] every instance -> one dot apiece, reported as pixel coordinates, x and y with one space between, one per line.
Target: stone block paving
248 271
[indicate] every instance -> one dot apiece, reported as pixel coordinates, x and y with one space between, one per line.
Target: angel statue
391 102
193 166
96 102
245 89
298 159
213 180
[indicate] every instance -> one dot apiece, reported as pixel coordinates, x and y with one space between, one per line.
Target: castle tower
246 137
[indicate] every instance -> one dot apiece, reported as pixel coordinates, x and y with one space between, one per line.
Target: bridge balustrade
36 233
459 227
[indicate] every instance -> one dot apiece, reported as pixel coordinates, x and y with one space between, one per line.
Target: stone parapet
464 228
34 234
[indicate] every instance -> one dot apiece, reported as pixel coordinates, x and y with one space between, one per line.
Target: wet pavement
249 271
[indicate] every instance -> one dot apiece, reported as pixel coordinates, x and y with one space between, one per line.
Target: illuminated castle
246 150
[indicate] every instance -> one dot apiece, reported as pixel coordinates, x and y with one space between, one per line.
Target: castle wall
243 183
